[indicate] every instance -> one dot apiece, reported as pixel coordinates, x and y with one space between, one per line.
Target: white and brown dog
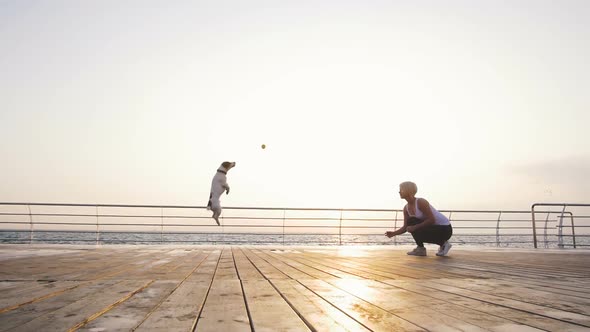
218 186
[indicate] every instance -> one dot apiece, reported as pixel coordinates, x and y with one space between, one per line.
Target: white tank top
439 218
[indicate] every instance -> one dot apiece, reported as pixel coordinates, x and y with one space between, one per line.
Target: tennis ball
263 146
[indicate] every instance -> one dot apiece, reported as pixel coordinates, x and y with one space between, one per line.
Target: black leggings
437 234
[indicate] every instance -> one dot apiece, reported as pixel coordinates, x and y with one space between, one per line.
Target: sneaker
418 251
444 249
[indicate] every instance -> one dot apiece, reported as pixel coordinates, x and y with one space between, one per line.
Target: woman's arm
400 230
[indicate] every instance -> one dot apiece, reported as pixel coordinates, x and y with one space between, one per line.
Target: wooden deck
246 288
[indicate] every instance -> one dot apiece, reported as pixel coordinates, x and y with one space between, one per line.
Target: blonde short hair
409 186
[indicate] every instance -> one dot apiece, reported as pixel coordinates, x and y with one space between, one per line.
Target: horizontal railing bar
258 218
331 228
281 219
159 217
561 204
228 217
240 233
248 241
201 225
241 218
193 207
242 225
257 208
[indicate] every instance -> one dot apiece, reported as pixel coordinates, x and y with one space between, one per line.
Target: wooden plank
556 286
568 303
36 294
364 312
81 267
578 285
324 288
155 269
402 267
186 267
26 313
268 270
283 262
345 267
27 287
316 311
559 263
136 310
225 309
418 309
40 294
466 314
560 315
7 285
246 270
505 290
269 311
319 264
207 269
131 313
226 269
181 309
75 313
515 317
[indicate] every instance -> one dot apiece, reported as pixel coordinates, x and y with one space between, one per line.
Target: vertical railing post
560 228
545 228
284 212
340 228
97 228
451 217
395 228
534 226
162 224
31 222
573 229
498 229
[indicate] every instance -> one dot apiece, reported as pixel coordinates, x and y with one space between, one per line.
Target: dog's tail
209 203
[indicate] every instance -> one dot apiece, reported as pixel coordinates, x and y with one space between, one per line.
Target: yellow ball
263 146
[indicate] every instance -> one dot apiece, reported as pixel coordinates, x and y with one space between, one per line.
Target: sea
146 238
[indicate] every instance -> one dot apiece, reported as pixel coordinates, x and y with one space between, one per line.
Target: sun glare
349 251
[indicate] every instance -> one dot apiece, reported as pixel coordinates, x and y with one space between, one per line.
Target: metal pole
97 228
31 222
534 229
560 229
284 211
498 229
340 227
573 229
395 228
545 240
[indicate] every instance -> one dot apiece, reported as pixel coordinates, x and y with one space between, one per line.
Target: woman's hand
389 234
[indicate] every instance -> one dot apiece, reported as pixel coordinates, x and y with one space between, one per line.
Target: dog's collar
220 171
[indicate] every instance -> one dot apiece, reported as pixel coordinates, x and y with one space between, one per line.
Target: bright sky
484 104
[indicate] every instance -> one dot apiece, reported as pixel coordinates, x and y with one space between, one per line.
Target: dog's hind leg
216 208
209 202
216 214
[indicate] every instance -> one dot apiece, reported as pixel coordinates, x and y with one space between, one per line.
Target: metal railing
560 227
116 223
